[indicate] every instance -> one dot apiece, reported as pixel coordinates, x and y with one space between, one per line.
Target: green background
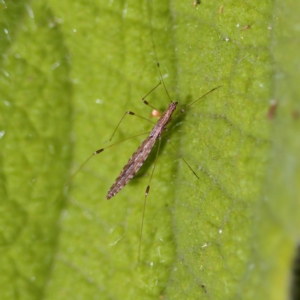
69 70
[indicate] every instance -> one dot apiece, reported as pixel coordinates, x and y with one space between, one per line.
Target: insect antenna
155 54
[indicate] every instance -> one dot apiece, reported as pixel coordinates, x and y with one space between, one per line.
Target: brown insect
141 154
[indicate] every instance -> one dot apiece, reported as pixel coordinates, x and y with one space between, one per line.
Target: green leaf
70 70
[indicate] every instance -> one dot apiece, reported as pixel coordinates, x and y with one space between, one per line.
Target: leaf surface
70 70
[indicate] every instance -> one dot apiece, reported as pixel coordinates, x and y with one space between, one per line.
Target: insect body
141 154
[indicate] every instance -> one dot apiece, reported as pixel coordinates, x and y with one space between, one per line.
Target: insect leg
180 156
132 114
145 200
146 102
191 104
99 151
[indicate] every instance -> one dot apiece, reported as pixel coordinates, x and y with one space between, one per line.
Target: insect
141 154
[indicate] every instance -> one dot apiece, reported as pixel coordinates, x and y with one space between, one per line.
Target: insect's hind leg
180 156
184 160
145 200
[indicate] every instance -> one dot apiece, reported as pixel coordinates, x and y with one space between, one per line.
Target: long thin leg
145 200
192 103
99 151
132 114
152 90
180 156
146 102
